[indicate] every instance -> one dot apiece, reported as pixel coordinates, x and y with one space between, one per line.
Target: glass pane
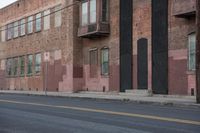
16 29
15 66
192 51
58 16
104 10
46 19
10 31
105 61
38 22
30 24
22 61
38 63
93 11
9 67
22 27
84 13
30 62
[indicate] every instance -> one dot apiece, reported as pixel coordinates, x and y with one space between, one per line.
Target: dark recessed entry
126 9
160 46
142 63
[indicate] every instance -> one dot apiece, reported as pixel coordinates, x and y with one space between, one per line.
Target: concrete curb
154 100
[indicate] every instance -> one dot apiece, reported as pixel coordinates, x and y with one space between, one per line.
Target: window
9 67
30 24
22 27
89 12
93 63
84 13
15 66
46 19
37 63
38 22
16 29
93 11
104 10
105 61
3 35
30 64
22 65
9 31
58 16
192 53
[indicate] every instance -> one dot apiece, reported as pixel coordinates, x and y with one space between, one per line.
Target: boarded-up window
46 19
105 61
16 29
38 22
192 53
30 24
93 63
58 16
22 27
37 63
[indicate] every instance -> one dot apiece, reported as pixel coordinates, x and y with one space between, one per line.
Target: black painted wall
126 10
142 63
160 46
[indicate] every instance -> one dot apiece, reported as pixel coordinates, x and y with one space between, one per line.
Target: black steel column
160 46
126 10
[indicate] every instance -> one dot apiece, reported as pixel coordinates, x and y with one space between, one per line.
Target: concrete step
136 92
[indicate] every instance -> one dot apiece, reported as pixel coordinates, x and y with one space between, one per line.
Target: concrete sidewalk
169 100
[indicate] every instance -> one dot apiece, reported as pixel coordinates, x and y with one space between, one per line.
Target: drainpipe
198 51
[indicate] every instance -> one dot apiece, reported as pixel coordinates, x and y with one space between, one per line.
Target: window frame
30 25
16 29
91 64
29 66
9 67
36 65
15 66
57 15
38 22
22 66
88 13
22 27
9 31
47 19
189 51
102 62
107 11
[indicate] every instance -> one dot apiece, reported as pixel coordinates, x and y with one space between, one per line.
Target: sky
4 3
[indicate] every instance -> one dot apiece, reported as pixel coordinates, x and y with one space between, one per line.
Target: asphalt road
40 114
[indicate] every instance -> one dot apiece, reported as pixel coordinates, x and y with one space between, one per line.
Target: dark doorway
126 10
142 63
160 46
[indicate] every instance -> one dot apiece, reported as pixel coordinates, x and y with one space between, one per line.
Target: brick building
98 45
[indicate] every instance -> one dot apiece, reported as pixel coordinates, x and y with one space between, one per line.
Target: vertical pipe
198 51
